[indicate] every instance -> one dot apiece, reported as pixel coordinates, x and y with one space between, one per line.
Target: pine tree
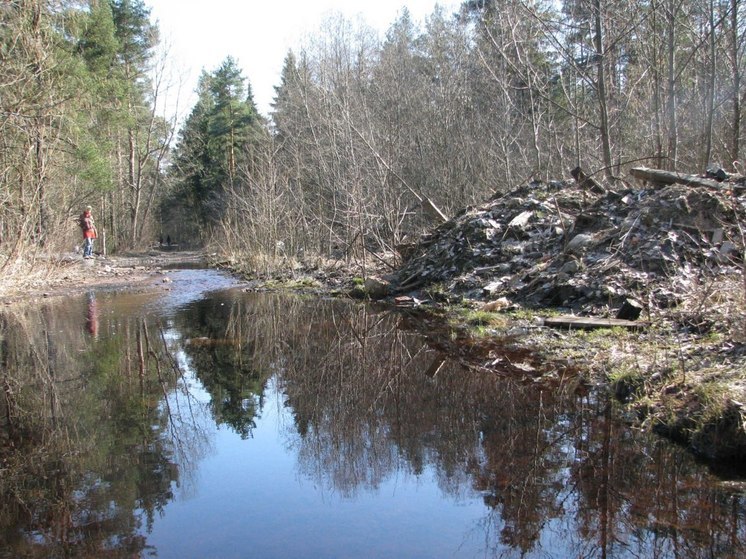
231 122
213 151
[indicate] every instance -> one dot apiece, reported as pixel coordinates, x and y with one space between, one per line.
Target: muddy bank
69 274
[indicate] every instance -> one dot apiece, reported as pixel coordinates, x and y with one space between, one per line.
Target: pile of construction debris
586 247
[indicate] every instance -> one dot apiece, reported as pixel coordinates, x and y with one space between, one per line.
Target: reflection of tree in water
221 345
84 445
640 493
371 398
379 400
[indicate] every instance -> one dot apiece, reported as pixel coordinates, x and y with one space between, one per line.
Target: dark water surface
204 422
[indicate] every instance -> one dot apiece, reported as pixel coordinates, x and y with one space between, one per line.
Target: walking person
89 232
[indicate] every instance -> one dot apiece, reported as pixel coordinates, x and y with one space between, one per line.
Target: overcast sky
258 34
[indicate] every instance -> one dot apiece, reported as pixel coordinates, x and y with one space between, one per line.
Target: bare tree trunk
673 136
134 184
41 182
601 86
657 87
710 95
119 196
735 140
39 131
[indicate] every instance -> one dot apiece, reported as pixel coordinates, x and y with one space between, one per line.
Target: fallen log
591 323
661 177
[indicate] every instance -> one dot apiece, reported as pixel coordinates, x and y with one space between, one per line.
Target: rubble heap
558 244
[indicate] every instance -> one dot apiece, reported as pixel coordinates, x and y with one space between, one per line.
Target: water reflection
91 320
97 438
82 444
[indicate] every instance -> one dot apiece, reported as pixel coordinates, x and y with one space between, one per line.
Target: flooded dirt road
199 420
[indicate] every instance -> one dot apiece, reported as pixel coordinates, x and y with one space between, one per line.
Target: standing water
204 421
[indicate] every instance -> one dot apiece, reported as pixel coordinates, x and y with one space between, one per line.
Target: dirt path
70 274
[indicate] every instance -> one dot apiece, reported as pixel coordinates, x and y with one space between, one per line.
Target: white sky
200 34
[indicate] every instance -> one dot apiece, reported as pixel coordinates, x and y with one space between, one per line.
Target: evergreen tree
98 44
285 107
100 100
232 123
137 37
213 151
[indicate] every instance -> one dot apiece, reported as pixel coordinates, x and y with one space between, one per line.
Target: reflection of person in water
91 320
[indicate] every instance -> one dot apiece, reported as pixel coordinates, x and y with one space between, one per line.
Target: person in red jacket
89 232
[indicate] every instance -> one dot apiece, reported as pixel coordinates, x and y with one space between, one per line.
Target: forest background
369 141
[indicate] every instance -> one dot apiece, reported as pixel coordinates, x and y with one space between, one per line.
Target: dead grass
69 274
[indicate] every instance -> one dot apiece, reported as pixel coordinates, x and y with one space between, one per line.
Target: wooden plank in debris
669 177
587 182
591 323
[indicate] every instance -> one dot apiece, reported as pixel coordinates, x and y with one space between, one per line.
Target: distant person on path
89 232
168 240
